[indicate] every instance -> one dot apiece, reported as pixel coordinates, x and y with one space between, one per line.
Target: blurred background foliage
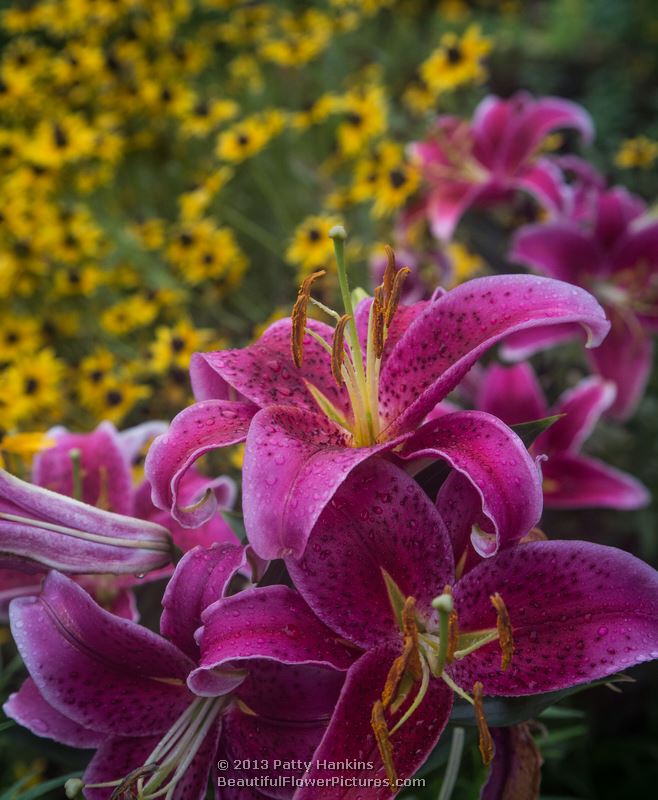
168 172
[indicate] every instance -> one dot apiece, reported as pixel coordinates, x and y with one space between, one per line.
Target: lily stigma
426 651
359 376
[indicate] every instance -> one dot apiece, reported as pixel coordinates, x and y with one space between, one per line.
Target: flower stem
454 762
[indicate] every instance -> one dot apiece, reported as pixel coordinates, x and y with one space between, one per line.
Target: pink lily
571 479
613 253
534 618
497 154
360 391
99 681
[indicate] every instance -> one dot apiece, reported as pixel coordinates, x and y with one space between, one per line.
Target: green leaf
503 711
37 791
529 431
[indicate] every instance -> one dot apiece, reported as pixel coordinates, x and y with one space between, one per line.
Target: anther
338 349
485 741
380 729
389 272
393 299
409 660
453 637
504 626
298 317
378 324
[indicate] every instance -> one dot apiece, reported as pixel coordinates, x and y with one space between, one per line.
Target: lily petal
103 468
582 407
512 394
559 249
271 623
626 358
579 612
575 481
477 445
447 339
101 671
202 576
264 372
28 707
516 766
293 464
196 430
379 520
350 734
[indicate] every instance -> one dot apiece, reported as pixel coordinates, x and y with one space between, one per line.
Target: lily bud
40 529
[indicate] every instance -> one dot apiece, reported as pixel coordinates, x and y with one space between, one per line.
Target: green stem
76 468
454 762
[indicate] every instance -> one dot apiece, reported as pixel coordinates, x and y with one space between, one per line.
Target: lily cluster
393 560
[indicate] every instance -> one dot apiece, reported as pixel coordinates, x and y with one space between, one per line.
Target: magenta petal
574 481
447 339
28 707
15 583
379 519
532 120
196 430
201 577
101 671
104 469
114 759
615 210
294 462
269 744
545 182
349 735
447 203
512 394
524 344
264 372
560 250
496 462
516 768
272 623
582 407
40 529
626 358
460 506
579 612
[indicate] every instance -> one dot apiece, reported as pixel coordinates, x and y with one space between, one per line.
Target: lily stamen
504 628
298 317
382 737
485 740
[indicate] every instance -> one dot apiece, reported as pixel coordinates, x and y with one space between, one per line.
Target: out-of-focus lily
571 479
500 152
613 253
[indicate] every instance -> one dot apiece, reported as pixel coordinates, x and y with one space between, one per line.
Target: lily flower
613 253
314 401
378 571
571 479
102 682
500 152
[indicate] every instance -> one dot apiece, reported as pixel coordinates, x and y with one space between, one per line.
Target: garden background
169 171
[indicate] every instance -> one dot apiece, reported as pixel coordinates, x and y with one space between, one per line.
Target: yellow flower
115 397
173 347
81 281
150 233
385 177
311 248
201 251
457 61
465 263
18 335
366 118
242 140
207 115
25 445
640 152
30 386
127 315
194 203
56 142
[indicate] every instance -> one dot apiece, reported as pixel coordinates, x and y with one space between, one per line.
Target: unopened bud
443 603
73 787
338 232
